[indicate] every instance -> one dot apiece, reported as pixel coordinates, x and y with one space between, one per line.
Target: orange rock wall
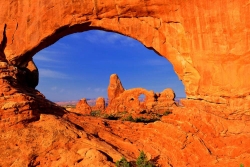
206 41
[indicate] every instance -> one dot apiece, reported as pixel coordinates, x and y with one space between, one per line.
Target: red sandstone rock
100 105
3 65
128 101
53 141
115 87
165 101
184 138
82 107
20 103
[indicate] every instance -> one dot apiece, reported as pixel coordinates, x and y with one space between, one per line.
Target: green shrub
141 119
142 161
167 113
111 117
122 112
122 163
129 118
96 113
146 120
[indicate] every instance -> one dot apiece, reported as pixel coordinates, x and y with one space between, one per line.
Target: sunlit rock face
82 107
115 87
121 100
207 43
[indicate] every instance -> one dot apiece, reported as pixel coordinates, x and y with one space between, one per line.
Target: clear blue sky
79 65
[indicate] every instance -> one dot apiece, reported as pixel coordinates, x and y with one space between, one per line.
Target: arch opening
142 98
100 54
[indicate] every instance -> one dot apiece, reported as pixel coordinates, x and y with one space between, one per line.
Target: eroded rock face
115 87
18 101
82 107
187 137
128 101
100 105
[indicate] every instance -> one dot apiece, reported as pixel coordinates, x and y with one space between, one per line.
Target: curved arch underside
208 47
207 43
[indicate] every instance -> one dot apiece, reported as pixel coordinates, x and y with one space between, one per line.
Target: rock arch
208 55
76 16
129 100
209 62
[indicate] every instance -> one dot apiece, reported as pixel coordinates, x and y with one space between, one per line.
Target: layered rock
20 103
53 141
184 138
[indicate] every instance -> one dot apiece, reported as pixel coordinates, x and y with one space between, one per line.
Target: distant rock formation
115 87
100 105
128 100
82 107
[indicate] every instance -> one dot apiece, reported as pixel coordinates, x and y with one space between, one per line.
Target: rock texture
128 100
18 101
187 137
115 87
207 43
83 107
100 105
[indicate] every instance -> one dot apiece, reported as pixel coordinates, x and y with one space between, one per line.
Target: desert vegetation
141 161
125 116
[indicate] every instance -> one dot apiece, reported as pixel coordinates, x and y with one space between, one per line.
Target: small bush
122 163
129 118
111 117
96 113
146 120
167 113
141 119
122 112
142 161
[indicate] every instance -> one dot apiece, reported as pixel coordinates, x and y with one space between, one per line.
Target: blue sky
79 65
